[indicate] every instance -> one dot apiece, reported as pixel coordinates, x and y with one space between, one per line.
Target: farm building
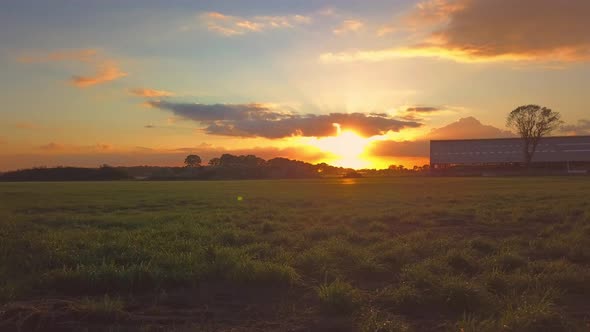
558 151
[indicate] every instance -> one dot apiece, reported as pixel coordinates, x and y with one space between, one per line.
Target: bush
462 262
405 299
338 297
234 265
508 261
534 315
97 279
457 296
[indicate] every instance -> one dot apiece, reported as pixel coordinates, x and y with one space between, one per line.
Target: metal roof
509 150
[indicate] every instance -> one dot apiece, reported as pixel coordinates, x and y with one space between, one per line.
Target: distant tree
192 160
532 122
397 168
215 162
352 174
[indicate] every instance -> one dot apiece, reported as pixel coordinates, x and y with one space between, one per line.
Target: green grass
338 297
397 254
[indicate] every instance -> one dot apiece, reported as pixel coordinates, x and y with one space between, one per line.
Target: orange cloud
150 93
54 147
107 71
448 53
228 26
433 12
534 29
490 31
385 30
348 26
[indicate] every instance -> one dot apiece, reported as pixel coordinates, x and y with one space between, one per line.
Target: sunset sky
351 83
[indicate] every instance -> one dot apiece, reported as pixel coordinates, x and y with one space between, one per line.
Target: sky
362 84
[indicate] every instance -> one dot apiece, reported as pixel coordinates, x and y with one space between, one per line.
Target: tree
215 162
192 160
532 122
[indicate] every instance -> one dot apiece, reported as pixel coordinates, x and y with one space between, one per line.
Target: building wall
509 150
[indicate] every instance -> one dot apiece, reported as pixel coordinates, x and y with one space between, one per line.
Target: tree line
227 166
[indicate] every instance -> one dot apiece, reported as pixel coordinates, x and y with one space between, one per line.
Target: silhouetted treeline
103 173
230 166
227 166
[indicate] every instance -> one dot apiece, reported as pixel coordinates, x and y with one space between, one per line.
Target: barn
556 151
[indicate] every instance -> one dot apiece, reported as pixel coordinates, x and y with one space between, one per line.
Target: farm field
389 254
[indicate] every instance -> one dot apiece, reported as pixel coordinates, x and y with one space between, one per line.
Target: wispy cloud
420 112
260 120
385 30
27 126
429 51
72 148
582 127
433 12
52 146
150 93
80 55
348 26
228 25
105 69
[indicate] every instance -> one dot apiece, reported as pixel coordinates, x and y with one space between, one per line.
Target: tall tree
192 160
532 122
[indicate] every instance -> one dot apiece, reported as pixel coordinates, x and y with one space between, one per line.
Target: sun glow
347 148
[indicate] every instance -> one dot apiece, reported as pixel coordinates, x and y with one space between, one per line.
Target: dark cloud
423 109
218 112
258 120
523 29
149 126
489 30
464 128
580 128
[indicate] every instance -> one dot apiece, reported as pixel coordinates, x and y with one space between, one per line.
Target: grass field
396 254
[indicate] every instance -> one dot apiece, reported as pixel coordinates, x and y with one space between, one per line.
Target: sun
347 148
